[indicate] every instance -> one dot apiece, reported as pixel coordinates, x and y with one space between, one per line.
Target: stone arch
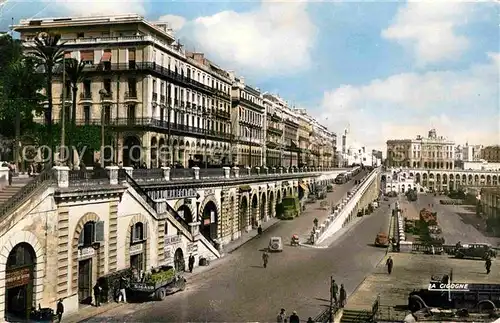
87 217
254 206
209 198
139 218
271 205
180 204
15 239
179 260
210 229
132 150
278 196
263 206
243 216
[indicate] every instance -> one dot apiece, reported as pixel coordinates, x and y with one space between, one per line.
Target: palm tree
49 50
74 73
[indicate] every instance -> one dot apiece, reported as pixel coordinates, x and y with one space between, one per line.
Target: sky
382 69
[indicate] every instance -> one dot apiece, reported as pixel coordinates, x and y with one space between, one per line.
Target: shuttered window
87 56
106 56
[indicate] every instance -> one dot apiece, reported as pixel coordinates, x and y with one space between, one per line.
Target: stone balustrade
4 177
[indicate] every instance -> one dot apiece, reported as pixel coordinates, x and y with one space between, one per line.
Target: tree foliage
20 87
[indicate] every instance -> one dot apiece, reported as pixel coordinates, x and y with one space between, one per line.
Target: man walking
97 294
294 318
488 265
60 310
343 296
334 289
281 318
123 293
191 263
389 264
265 258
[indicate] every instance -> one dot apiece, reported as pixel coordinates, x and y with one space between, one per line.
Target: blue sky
386 69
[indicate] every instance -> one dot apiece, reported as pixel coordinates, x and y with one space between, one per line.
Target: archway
154 153
301 192
255 209
208 226
270 207
179 263
263 206
243 214
19 281
185 212
131 151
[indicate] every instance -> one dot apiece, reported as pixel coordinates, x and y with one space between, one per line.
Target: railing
327 315
181 173
211 172
152 173
85 177
123 174
131 95
86 95
45 178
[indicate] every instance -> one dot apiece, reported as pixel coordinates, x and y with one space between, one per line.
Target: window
132 86
92 232
86 114
138 233
87 88
137 262
107 114
107 85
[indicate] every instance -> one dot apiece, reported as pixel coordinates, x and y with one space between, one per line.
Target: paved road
454 227
239 289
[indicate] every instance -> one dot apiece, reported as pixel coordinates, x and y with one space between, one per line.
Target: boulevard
237 288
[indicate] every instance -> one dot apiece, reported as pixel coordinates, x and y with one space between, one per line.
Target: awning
106 56
245 188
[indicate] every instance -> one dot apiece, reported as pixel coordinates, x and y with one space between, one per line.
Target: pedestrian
281 318
310 320
334 289
389 263
11 173
191 263
265 258
59 310
123 294
488 265
259 230
97 294
294 318
342 296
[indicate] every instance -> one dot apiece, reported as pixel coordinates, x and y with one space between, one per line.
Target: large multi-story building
491 154
490 204
163 105
432 152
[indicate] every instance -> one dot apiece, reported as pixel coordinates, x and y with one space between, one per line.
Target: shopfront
19 281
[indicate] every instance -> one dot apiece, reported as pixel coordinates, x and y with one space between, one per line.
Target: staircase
356 316
9 191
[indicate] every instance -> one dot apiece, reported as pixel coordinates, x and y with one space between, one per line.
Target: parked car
276 244
475 250
382 240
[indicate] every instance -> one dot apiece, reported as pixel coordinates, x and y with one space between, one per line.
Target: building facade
248 118
275 140
432 152
291 136
490 207
491 154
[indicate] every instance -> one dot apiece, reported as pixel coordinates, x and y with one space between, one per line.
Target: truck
476 298
161 282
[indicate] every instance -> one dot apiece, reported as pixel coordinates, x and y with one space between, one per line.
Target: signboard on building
84 253
17 277
180 193
168 253
169 240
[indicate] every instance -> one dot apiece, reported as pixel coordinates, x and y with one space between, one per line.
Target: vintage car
382 240
276 244
475 250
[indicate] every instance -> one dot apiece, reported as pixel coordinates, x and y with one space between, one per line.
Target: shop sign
136 248
172 240
180 193
18 277
86 252
209 192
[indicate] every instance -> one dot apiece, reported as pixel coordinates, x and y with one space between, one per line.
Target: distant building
490 204
432 152
491 154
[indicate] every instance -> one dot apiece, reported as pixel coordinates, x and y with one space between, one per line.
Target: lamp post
63 111
103 93
170 148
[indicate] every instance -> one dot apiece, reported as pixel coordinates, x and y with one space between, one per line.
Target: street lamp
63 110
103 93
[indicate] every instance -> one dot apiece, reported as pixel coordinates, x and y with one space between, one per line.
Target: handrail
47 176
122 174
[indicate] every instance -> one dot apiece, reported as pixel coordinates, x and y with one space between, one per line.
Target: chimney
231 75
242 80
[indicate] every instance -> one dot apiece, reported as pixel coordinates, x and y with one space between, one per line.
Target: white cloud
430 29
96 7
176 22
277 38
461 105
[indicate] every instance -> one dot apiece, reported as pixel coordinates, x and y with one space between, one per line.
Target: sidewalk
88 312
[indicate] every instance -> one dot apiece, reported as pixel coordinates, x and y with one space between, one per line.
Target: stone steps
7 192
355 316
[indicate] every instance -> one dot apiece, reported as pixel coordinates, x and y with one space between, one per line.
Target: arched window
92 232
138 233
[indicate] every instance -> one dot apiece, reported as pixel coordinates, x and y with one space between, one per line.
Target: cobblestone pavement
239 289
453 221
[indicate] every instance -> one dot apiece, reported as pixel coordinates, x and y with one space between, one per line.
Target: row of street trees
24 72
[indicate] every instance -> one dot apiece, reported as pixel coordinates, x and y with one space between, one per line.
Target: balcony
249 103
222 94
107 95
155 96
176 103
222 114
162 99
87 95
273 129
148 67
155 124
132 95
